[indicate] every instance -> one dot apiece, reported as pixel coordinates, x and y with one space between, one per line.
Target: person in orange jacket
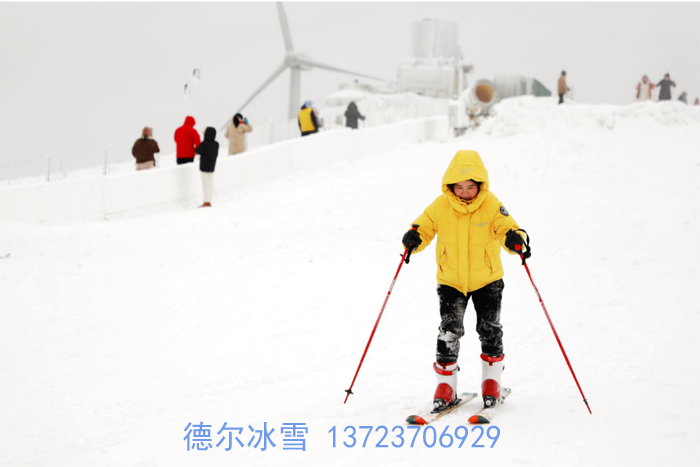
562 87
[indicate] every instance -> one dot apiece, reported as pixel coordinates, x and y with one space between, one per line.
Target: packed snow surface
115 335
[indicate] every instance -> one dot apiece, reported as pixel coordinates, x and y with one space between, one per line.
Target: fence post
104 157
48 168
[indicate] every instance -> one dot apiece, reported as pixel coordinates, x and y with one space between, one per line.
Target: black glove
515 242
411 240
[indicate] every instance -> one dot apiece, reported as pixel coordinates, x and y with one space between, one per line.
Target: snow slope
115 335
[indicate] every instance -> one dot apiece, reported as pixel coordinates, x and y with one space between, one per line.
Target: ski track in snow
114 335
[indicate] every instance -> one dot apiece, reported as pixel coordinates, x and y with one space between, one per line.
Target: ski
430 418
486 414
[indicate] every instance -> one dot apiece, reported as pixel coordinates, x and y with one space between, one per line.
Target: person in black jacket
665 88
208 151
352 115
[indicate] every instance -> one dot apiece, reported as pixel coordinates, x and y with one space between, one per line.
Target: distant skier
209 151
144 149
665 86
186 140
644 88
308 123
352 115
472 225
697 101
562 87
683 97
235 132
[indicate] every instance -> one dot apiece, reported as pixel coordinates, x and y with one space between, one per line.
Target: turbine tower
296 63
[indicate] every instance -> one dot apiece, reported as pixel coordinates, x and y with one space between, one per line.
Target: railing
379 110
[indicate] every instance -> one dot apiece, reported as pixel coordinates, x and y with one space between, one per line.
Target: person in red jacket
186 139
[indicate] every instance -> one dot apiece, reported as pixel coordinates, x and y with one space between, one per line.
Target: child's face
467 190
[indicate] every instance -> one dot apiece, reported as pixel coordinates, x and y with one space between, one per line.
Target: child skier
471 225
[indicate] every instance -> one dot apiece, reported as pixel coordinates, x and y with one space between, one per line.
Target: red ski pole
405 257
585 401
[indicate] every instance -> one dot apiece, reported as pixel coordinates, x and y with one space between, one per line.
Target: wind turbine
296 63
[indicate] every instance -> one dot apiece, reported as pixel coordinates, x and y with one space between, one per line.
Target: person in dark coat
683 98
665 88
352 115
208 151
308 124
186 140
144 149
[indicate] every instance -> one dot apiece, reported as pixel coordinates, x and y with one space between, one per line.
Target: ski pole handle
408 253
525 247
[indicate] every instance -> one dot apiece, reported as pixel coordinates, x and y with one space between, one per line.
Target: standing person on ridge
235 132
644 88
352 115
208 151
665 88
186 140
471 225
561 87
144 149
308 124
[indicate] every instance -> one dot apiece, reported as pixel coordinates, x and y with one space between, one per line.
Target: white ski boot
446 391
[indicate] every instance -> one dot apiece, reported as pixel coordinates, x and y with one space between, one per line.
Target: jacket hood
352 106
466 165
189 121
209 134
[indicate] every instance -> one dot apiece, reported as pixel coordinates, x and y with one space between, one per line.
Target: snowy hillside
114 336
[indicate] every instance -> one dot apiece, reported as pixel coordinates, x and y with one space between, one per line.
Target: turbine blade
272 77
311 63
285 28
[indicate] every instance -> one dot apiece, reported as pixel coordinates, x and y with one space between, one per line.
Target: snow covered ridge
527 114
381 109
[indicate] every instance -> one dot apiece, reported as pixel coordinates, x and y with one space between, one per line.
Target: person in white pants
208 151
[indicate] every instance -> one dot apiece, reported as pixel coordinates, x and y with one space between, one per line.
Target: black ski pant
561 98
453 303
184 160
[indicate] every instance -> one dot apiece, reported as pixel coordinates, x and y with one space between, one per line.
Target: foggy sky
79 77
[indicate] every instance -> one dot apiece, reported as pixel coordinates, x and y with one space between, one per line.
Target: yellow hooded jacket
470 234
